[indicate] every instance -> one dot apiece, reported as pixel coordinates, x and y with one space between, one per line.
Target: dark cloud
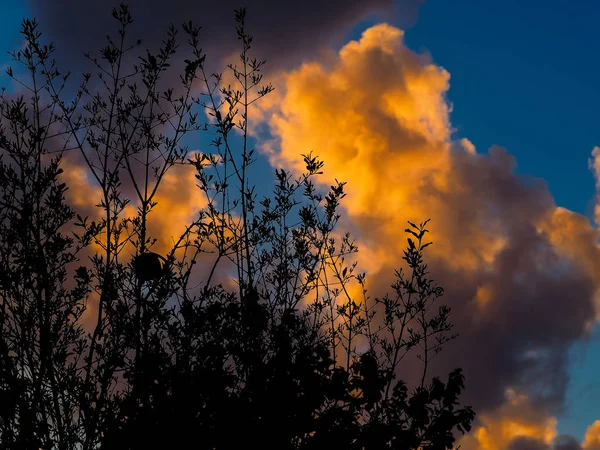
566 442
527 443
561 442
540 301
284 31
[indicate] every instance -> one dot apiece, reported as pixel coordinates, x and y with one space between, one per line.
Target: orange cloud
377 114
516 419
178 202
379 119
592 437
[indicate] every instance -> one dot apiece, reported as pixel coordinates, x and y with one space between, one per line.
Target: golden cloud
178 202
377 114
592 437
516 418
379 119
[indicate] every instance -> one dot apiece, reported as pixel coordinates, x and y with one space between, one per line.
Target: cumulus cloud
520 273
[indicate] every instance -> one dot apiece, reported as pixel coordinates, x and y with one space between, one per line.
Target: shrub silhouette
100 350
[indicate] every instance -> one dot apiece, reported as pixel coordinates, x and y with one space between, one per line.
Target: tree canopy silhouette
112 338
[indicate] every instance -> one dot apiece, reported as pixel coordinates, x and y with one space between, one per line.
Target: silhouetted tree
106 343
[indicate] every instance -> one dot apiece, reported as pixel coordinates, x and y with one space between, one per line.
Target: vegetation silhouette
104 343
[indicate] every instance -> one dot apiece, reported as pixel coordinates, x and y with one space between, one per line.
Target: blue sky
13 12
524 75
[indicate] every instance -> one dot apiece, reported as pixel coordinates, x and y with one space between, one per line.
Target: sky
481 115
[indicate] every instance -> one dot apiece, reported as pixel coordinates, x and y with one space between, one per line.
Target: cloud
516 425
285 31
592 437
178 202
566 442
519 272
519 425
